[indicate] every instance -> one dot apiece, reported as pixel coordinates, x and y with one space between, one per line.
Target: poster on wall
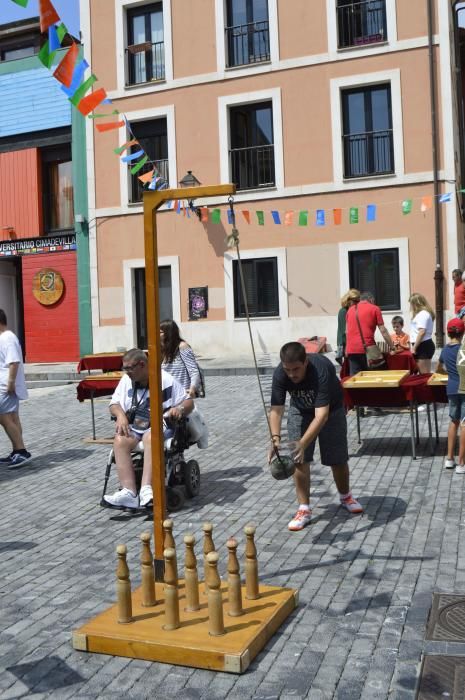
198 303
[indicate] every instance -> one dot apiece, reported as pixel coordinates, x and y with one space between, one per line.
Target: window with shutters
261 284
377 271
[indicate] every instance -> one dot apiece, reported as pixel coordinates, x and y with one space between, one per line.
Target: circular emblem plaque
47 286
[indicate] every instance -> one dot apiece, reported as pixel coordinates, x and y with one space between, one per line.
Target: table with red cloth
414 390
400 360
97 385
104 361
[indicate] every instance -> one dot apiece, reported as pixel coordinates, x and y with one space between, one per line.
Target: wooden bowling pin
168 540
171 591
234 580
215 602
251 565
190 575
208 547
123 586
147 574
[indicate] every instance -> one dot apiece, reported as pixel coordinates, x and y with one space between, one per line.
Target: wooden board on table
106 376
190 644
377 379
437 379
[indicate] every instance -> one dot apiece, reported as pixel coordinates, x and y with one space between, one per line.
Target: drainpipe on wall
438 272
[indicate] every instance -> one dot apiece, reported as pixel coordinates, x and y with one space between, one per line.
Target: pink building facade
306 106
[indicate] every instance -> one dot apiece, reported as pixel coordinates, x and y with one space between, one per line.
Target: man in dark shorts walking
316 410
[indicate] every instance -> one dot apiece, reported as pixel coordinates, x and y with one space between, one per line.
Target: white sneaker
146 496
123 498
460 469
449 463
300 520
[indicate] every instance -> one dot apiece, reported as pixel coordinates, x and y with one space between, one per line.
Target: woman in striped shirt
178 358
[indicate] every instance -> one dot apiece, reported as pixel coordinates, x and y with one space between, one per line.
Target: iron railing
252 167
361 23
370 153
248 43
145 62
136 187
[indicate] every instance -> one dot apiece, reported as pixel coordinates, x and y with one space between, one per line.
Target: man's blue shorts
457 407
9 403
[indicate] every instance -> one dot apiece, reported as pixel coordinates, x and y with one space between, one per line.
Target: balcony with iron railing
253 167
369 153
361 23
248 43
136 188
145 62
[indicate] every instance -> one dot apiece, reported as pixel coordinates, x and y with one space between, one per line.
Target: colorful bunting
231 217
146 177
78 77
288 218
303 218
407 206
276 217
82 89
371 212
426 203
337 216
320 217
246 215
204 215
125 146
445 197
133 156
54 42
260 218
48 15
353 215
135 169
216 216
108 126
89 103
23 3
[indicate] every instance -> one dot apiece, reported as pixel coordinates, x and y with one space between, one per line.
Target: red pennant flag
108 126
246 215
337 214
288 218
89 103
48 15
65 69
426 203
204 218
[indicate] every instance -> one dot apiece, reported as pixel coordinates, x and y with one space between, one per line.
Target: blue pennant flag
371 212
276 217
53 40
132 156
78 77
445 197
231 217
320 217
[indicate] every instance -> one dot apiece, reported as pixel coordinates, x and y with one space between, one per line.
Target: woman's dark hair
170 340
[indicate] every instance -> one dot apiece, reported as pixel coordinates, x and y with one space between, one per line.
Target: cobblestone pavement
365 582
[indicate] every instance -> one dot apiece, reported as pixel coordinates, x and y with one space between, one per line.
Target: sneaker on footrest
146 496
351 504
123 498
300 520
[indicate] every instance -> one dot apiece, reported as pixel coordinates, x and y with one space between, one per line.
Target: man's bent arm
384 332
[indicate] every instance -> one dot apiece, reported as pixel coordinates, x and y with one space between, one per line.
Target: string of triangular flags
322 217
71 72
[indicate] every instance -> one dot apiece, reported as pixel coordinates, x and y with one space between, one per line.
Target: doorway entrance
11 296
166 301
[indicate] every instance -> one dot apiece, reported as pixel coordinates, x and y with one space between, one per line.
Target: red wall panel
20 194
51 332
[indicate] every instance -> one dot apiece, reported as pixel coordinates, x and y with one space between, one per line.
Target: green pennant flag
260 218
139 164
23 3
216 216
353 215
303 218
406 206
46 56
82 89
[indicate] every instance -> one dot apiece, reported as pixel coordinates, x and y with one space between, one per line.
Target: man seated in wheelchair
130 405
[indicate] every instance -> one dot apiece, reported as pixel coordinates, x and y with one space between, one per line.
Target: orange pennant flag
426 203
48 15
246 215
65 69
146 177
204 218
89 103
337 214
108 126
288 218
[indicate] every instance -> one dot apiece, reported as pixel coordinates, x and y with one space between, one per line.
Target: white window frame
404 275
356 51
280 255
224 103
337 85
220 25
147 115
121 28
129 291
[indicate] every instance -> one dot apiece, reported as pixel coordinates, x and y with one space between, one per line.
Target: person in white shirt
130 405
421 332
12 391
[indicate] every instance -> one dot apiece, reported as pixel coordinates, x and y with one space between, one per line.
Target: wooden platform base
190 644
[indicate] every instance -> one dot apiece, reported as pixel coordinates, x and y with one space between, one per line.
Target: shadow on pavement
46 675
42 462
17 546
392 446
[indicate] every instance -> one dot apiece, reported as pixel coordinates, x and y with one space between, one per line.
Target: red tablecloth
105 361
96 386
401 360
413 388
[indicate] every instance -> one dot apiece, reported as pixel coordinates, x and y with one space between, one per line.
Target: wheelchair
182 478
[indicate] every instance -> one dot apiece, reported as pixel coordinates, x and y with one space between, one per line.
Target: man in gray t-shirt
315 411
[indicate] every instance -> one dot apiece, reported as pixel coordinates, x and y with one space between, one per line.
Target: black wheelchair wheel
174 498
192 478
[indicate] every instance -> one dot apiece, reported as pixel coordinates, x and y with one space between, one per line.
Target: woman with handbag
178 359
421 332
363 319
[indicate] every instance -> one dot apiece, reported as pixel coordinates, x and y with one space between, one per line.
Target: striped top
184 368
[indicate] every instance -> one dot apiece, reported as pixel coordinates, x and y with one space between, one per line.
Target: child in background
448 364
400 339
